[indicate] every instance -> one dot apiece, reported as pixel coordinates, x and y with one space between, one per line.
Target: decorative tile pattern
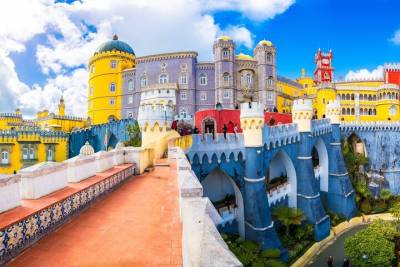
20 235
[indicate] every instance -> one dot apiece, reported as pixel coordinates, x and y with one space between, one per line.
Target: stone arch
321 169
217 185
282 164
208 124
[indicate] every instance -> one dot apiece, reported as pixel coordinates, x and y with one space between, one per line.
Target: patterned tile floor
136 225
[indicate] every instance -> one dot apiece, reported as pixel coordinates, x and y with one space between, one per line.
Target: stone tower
265 54
323 67
224 57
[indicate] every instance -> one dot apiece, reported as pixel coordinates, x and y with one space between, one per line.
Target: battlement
302 105
333 111
31 132
207 147
370 126
251 110
113 53
391 66
389 86
280 135
326 85
150 115
10 115
320 127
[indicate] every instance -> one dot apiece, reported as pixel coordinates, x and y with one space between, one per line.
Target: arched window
226 78
130 85
361 97
343 111
352 96
5 159
269 58
143 81
384 95
225 53
112 87
91 91
374 111
352 111
347 97
184 78
348 111
248 79
50 153
374 97
369 98
392 110
370 111
270 81
203 79
338 97
163 79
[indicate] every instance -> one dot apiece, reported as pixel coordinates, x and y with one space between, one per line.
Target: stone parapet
280 135
9 192
320 127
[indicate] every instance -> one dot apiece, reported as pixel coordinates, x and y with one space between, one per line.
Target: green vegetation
288 216
250 254
374 246
133 131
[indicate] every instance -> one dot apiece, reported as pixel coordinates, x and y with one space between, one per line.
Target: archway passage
227 199
320 161
281 175
208 125
112 142
357 144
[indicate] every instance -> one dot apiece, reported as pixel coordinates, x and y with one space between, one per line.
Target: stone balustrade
202 245
280 135
278 194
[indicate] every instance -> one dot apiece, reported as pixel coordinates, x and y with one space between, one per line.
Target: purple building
191 85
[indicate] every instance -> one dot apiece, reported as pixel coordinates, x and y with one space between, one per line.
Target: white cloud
396 38
148 26
365 74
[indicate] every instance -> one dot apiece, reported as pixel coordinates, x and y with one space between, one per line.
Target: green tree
288 216
395 211
371 247
133 131
385 195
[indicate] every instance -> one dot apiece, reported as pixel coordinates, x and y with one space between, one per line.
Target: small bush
271 253
366 206
274 263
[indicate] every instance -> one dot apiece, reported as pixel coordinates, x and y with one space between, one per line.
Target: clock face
325 61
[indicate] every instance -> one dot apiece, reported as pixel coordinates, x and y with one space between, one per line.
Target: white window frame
113 87
203 96
5 157
226 94
131 85
130 99
163 78
184 78
50 153
203 79
31 152
143 81
248 79
113 64
183 95
225 53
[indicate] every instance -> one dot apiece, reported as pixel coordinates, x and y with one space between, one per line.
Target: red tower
392 73
323 67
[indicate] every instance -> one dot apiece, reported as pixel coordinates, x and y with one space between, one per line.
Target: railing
280 135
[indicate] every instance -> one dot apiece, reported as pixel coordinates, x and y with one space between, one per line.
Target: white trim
299 157
308 197
339 175
250 180
349 193
322 219
260 229
336 144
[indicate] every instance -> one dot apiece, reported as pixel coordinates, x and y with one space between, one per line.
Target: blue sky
43 56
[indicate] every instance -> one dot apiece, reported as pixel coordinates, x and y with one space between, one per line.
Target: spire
303 72
115 37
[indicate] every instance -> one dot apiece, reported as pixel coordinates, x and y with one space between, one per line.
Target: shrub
274 263
366 206
271 253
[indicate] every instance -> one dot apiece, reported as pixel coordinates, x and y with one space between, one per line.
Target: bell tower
323 67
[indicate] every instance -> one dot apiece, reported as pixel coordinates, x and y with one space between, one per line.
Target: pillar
308 195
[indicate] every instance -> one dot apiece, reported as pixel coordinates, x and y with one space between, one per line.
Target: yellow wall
323 97
101 75
285 95
67 125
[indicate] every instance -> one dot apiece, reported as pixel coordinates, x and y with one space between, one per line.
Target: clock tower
323 67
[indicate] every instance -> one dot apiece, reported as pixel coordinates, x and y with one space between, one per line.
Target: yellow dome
244 57
224 38
265 42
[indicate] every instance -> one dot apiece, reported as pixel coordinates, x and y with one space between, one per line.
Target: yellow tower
61 107
388 103
326 92
105 80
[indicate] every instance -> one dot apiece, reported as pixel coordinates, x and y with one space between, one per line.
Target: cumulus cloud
74 31
365 74
396 38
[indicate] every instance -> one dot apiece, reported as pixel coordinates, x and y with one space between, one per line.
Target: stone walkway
136 225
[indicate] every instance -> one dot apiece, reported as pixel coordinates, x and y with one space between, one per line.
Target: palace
119 80
26 142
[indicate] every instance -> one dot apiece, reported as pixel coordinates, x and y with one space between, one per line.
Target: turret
224 57
302 113
252 122
265 54
61 107
333 111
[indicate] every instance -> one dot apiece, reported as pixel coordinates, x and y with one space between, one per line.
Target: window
226 94
130 99
392 110
203 79
92 69
112 87
112 101
184 79
25 152
143 82
226 78
183 95
163 79
182 112
28 152
323 100
4 157
130 115
248 79
203 96
225 53
131 85
113 64
91 90
50 153
352 96
269 57
270 81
